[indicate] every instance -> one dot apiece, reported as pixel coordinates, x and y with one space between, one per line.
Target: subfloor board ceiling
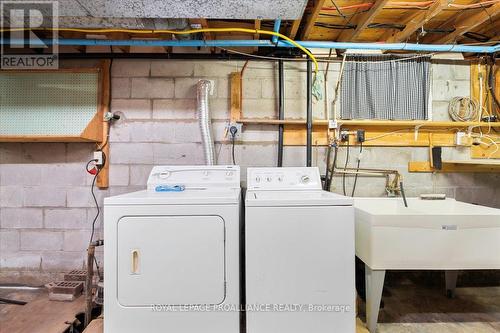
209 9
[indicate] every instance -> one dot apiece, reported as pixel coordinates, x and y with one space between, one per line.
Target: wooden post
478 79
103 177
236 97
431 145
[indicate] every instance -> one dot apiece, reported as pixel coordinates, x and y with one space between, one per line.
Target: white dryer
171 253
299 250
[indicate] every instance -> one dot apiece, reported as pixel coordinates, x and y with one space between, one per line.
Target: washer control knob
257 179
269 179
305 179
164 174
229 173
280 179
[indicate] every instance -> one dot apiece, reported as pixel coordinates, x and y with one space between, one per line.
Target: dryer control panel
288 178
198 176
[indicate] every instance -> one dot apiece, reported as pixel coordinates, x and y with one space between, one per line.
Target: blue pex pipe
259 43
277 25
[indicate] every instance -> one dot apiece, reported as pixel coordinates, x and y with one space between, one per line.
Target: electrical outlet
360 135
98 157
332 124
344 135
463 139
238 127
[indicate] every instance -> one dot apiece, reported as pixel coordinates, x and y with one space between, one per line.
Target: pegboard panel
47 103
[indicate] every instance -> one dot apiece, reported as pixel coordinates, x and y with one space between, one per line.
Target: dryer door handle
135 267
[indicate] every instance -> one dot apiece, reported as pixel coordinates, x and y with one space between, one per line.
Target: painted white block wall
46 208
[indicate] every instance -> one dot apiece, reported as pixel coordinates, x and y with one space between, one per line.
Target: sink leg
451 282
374 286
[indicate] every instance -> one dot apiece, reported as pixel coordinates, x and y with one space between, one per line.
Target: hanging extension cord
99 162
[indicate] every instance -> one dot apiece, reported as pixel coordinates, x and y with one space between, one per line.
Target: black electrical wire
403 194
335 26
399 27
477 36
327 168
338 9
370 26
232 149
345 167
98 209
440 31
491 84
357 169
345 15
232 131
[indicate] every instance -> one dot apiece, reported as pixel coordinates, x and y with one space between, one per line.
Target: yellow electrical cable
179 32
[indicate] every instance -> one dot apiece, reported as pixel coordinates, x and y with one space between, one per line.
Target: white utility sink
427 235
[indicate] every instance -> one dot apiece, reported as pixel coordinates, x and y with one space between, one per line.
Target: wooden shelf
371 123
457 166
264 121
46 138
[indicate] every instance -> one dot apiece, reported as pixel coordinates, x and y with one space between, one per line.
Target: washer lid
295 198
189 196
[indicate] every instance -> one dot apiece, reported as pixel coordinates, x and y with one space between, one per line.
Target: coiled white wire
463 109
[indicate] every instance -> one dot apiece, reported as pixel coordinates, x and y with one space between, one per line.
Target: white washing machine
171 253
299 249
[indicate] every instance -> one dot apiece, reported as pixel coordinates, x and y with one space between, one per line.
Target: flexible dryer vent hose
202 89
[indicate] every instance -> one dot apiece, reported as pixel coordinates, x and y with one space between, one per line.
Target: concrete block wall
46 208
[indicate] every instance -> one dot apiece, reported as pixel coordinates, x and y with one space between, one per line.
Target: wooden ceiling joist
311 19
362 22
257 25
204 24
419 20
294 28
470 23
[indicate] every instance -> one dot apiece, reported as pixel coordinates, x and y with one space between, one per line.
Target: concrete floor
411 308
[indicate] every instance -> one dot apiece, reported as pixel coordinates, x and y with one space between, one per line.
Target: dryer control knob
164 174
269 179
229 173
305 179
257 179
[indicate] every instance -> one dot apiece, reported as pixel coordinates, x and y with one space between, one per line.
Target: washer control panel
288 178
195 176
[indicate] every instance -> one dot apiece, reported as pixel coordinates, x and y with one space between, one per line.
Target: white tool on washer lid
178 178
432 196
